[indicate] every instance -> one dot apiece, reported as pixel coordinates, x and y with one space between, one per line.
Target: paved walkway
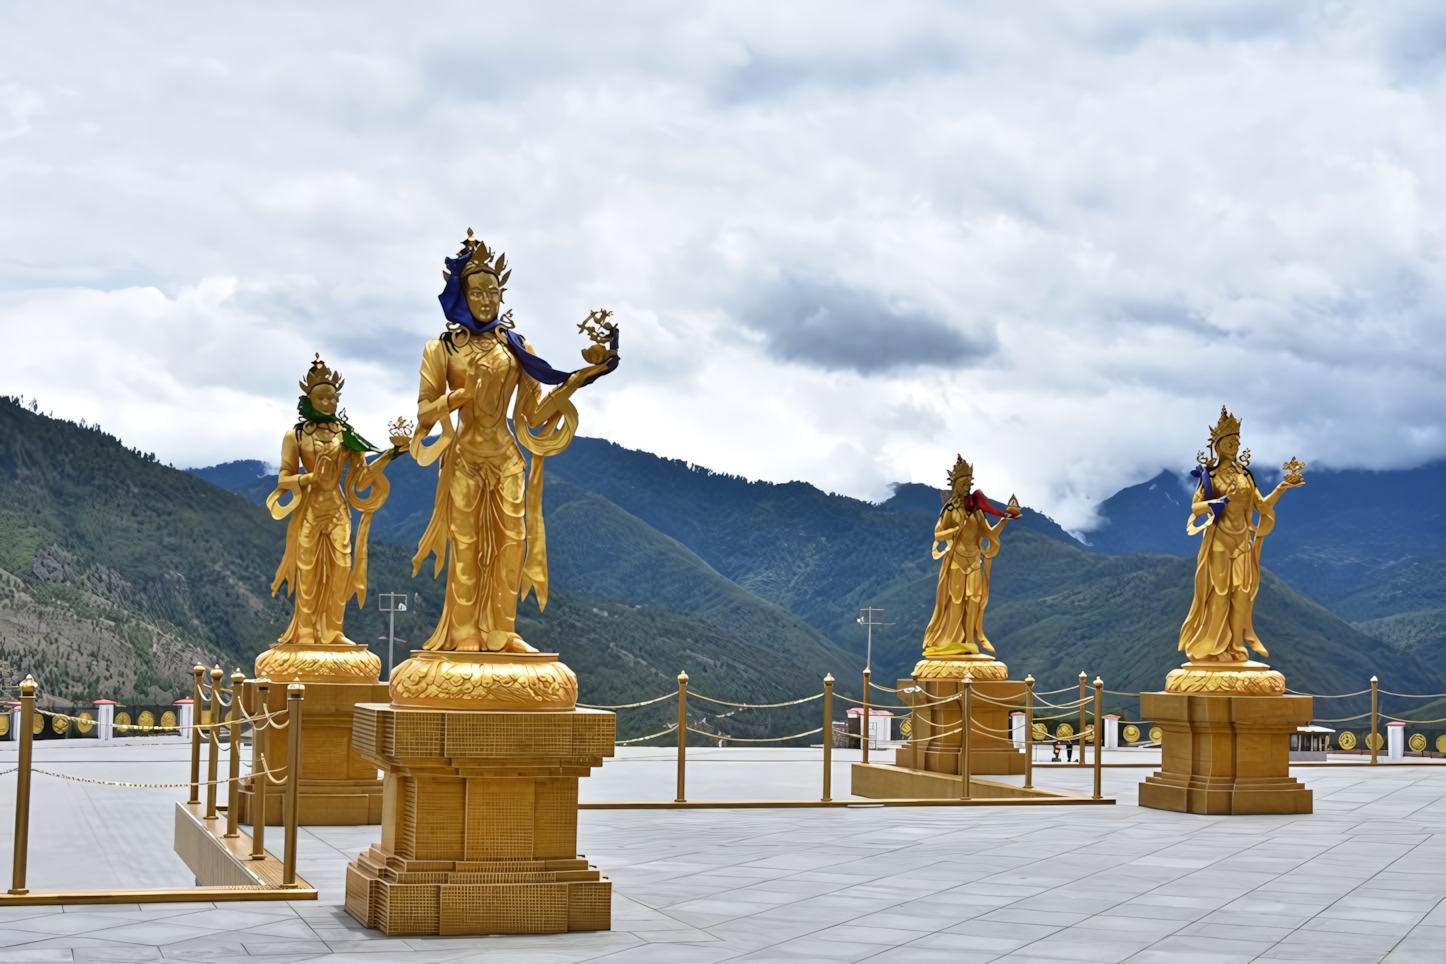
1362 879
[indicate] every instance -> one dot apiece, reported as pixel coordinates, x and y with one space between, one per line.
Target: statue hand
306 479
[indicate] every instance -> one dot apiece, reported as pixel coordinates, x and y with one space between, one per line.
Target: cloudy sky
845 241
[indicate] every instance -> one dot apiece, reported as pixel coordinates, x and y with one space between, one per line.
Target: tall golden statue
1236 519
487 520
324 466
970 545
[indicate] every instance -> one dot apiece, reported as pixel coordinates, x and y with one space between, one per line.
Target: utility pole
392 603
866 618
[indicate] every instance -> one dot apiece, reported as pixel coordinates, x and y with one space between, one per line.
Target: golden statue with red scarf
970 544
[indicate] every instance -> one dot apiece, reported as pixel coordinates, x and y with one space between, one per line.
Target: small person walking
1068 751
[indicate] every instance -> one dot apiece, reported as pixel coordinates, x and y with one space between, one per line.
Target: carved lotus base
1247 678
484 681
957 667
337 663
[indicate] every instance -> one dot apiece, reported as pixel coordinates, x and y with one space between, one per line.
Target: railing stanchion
1099 703
295 693
233 776
259 779
682 738
196 735
866 727
1079 734
827 737
1375 717
1029 732
213 742
966 708
26 736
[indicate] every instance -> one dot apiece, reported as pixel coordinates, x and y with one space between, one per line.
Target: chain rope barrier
742 739
651 736
628 706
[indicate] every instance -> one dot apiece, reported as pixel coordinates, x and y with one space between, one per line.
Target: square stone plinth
1225 754
991 747
479 822
338 786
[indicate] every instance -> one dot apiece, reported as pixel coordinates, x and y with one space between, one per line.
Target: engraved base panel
1248 678
484 681
479 822
1225 755
293 662
339 787
991 750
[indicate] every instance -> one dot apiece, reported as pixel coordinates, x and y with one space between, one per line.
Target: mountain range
117 572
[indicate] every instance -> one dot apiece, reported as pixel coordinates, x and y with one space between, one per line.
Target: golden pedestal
991 748
479 826
1224 753
338 786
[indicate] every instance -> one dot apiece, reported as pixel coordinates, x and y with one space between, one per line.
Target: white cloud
846 241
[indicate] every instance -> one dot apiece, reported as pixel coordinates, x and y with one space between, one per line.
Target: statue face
1228 446
324 399
484 297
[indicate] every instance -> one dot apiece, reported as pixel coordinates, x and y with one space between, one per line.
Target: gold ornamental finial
1292 469
961 470
320 374
1228 425
483 259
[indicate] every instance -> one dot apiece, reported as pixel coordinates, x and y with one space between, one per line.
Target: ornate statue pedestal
991 751
338 787
1225 749
479 824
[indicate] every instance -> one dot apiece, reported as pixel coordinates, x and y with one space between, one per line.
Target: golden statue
970 545
487 519
324 465
1219 631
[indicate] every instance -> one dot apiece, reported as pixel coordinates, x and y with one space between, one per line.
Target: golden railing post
213 742
200 672
1029 732
1079 734
259 779
966 694
1099 704
1375 717
866 727
827 737
295 693
682 738
26 736
233 789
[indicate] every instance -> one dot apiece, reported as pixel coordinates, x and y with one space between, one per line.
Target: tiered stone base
1225 754
338 786
479 825
991 749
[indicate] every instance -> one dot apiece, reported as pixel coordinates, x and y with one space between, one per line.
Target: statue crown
961 470
475 257
321 375
1228 425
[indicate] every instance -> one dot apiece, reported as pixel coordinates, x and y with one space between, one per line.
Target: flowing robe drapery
318 565
487 518
957 625
1220 625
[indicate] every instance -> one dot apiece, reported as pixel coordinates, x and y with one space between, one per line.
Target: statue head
1225 436
323 387
476 280
961 477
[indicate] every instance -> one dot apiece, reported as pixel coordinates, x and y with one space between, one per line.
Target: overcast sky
845 241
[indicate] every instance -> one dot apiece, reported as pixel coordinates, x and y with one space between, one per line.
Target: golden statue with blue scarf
486 526
1219 631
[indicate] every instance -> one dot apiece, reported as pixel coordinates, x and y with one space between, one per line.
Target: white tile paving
1362 879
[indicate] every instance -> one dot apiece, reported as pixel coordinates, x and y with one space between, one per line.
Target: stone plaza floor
1361 879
